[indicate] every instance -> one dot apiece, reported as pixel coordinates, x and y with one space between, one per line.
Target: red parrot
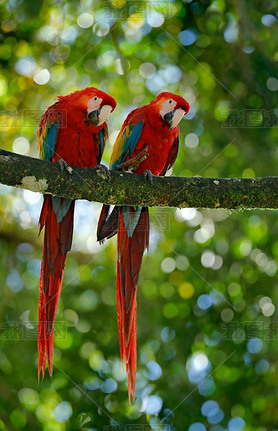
73 132
154 129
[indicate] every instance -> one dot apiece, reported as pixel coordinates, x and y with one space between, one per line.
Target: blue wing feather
130 218
47 145
49 141
133 139
60 207
124 148
130 142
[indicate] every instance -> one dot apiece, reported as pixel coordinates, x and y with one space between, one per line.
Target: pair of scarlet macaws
73 132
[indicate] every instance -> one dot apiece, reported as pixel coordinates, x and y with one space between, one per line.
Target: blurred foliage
207 322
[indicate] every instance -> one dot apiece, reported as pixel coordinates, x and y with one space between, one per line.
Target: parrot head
91 104
171 108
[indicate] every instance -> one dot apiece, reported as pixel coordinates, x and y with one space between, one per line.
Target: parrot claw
134 163
103 171
63 165
148 175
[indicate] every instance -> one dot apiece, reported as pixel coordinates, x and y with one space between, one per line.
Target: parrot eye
170 101
95 98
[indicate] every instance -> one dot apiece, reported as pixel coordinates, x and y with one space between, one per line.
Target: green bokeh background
207 318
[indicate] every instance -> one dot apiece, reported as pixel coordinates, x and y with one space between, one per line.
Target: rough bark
131 189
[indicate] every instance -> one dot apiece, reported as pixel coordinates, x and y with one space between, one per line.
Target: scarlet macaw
72 132
153 127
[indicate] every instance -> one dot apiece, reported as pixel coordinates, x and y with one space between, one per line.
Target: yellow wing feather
118 146
41 140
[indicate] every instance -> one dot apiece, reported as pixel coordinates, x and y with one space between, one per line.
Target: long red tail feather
107 223
57 242
130 254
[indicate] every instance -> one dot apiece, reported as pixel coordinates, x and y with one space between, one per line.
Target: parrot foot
103 171
63 165
135 162
148 175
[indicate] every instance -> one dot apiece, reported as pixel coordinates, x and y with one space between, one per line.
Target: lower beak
100 115
173 118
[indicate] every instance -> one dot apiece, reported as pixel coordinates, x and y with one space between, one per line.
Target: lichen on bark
124 188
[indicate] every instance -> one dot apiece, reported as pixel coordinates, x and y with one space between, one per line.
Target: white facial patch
93 104
167 106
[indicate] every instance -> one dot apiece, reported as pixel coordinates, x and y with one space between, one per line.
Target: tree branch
131 189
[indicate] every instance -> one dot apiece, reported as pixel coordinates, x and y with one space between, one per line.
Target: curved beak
100 115
174 117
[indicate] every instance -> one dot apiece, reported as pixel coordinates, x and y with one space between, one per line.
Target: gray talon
63 165
69 169
148 175
103 171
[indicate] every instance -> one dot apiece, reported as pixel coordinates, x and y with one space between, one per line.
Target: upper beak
100 115
173 117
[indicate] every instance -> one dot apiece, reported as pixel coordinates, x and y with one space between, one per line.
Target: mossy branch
130 189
